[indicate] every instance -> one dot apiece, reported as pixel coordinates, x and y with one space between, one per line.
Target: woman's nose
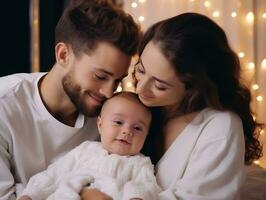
141 86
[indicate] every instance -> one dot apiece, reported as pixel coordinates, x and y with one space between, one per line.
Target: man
43 114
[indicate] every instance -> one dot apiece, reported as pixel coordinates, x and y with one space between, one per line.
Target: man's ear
99 123
62 53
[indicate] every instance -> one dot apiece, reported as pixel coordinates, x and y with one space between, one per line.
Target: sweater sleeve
215 169
43 184
143 184
7 183
70 187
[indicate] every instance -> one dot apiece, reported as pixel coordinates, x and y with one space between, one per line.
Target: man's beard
74 93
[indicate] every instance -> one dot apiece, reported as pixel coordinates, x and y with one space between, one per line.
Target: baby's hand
93 194
24 197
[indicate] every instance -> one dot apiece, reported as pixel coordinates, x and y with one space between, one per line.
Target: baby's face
123 125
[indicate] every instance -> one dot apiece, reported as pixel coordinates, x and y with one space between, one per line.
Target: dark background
16 33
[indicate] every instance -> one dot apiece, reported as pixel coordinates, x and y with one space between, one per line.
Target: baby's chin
122 152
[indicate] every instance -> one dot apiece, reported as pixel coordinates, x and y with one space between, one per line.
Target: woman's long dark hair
198 49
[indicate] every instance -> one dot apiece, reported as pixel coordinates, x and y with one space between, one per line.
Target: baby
114 165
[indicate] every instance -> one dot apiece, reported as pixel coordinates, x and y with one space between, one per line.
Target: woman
203 131
188 71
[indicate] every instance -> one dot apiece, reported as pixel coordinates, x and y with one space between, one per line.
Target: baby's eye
139 68
138 128
118 122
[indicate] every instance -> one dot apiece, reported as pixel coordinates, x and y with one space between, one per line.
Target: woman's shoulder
221 116
219 124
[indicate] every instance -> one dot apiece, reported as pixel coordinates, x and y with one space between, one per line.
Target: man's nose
107 90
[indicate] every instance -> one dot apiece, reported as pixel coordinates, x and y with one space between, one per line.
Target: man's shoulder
16 95
8 84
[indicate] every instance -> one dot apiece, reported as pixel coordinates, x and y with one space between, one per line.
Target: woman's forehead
156 64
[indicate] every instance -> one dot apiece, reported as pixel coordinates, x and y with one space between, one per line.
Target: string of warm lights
35 58
246 18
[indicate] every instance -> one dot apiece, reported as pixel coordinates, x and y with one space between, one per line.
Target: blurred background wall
15 37
17 34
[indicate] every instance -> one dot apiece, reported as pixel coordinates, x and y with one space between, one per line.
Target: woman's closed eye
139 68
160 86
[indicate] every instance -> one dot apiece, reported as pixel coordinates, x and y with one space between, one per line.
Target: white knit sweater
121 177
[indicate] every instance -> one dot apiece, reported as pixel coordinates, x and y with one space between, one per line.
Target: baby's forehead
128 98
125 97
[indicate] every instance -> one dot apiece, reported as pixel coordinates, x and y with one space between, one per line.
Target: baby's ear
99 123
